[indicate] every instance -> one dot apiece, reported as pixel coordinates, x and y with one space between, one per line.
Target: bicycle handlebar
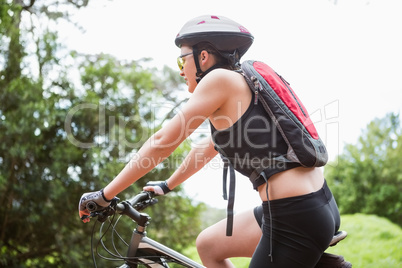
143 196
125 208
130 208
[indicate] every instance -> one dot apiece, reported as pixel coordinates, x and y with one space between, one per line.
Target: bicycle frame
155 255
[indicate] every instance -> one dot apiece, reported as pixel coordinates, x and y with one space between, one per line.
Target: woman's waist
293 182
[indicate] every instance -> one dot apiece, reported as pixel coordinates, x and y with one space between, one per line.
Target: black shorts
302 228
259 215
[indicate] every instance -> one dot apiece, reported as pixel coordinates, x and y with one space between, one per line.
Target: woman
298 216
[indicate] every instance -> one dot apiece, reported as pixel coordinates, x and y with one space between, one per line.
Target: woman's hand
158 187
91 202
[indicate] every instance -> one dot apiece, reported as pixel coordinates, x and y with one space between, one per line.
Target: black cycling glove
158 187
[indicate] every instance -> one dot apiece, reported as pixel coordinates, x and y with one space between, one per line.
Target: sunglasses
180 60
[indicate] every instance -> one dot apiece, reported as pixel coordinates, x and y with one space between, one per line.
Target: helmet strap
216 66
198 74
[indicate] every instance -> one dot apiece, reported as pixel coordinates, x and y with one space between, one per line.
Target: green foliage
367 177
63 133
211 215
172 216
371 242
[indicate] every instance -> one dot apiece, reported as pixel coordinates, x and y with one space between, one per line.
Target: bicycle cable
92 244
100 242
134 260
116 256
113 244
114 231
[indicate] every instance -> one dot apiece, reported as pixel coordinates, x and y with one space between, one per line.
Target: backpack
288 113
291 119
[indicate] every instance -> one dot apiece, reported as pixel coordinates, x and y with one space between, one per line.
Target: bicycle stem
135 242
142 220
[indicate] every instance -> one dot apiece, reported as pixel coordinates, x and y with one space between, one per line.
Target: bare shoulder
226 93
216 95
222 82
225 76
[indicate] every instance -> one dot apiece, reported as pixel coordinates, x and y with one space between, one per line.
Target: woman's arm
209 96
198 157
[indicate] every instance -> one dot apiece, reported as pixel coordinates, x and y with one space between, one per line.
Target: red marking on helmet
243 29
215 17
201 22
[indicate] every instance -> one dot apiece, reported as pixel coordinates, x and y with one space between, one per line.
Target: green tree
63 133
32 183
367 177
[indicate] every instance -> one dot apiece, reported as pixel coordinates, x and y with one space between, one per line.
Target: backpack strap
232 186
227 165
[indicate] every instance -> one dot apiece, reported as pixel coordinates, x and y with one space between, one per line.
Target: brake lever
144 204
102 215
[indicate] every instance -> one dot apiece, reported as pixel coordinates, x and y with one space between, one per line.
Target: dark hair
220 60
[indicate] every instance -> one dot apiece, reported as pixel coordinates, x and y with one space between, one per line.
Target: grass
371 242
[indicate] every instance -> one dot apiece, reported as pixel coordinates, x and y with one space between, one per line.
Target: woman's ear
204 56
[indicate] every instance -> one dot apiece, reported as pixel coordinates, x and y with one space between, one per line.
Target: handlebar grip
91 206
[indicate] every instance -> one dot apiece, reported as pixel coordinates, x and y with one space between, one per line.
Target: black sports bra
251 142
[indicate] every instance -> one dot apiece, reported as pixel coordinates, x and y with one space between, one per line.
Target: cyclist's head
226 39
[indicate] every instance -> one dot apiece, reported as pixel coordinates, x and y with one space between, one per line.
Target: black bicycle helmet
230 39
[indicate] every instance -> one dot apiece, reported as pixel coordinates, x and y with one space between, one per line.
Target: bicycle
142 250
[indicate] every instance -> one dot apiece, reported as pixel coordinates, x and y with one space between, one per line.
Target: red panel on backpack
287 95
